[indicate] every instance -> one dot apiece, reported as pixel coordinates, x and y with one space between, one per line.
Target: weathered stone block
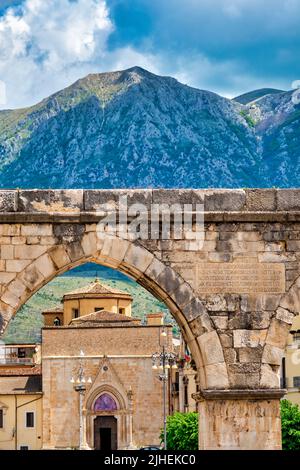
116 249
52 200
215 303
226 340
183 295
75 251
274 257
250 354
241 381
60 256
272 355
240 246
33 240
260 320
288 199
103 200
239 321
241 236
224 200
244 368
249 338
270 377
89 243
217 257
11 299
260 199
216 376
6 277
29 251
16 266
169 280
45 266
291 300
18 240
285 315
17 288
270 302
7 252
211 348
220 322
8 200
31 277
33 230
138 258
278 333
193 309
230 355
10 230
201 324
67 233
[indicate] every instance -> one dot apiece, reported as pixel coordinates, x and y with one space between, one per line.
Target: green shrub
290 425
182 431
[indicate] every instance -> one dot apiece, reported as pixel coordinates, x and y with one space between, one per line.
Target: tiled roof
58 309
101 317
20 385
96 288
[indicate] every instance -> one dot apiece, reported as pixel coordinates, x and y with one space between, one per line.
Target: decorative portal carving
105 403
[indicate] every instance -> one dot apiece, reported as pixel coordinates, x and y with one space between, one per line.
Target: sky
226 46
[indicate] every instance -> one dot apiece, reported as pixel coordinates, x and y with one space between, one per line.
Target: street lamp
79 384
164 361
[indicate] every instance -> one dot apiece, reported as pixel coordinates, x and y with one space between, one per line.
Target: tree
290 425
182 431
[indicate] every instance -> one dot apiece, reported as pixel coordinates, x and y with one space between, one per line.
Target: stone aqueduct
234 299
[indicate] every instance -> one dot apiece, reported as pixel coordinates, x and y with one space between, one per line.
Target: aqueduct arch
234 297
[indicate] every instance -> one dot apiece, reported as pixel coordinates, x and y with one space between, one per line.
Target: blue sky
227 46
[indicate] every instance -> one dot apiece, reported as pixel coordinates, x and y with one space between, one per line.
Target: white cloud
46 44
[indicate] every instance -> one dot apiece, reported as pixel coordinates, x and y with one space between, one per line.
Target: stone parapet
254 202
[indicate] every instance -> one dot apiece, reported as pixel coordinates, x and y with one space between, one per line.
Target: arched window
105 403
56 321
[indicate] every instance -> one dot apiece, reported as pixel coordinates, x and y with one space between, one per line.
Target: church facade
93 338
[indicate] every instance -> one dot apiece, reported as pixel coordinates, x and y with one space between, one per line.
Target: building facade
91 333
20 397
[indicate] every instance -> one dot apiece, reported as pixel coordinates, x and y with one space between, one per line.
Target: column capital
239 394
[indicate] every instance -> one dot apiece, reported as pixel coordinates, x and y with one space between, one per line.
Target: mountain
254 95
135 129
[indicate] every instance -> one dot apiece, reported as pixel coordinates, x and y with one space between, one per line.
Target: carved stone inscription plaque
242 276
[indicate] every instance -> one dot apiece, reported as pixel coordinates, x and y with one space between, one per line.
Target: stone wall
234 296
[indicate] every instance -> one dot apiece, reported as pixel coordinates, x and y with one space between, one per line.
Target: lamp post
164 361
79 384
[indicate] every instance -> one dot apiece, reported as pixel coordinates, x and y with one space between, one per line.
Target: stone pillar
239 419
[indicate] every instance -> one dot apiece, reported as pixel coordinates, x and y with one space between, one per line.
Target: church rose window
105 403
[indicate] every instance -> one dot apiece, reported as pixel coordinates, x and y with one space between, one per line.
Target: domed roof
97 290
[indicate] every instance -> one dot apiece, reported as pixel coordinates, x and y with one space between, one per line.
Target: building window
296 338
56 322
75 312
122 311
1 420
98 309
24 448
296 382
29 419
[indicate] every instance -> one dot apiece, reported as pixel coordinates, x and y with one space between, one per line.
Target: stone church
93 339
